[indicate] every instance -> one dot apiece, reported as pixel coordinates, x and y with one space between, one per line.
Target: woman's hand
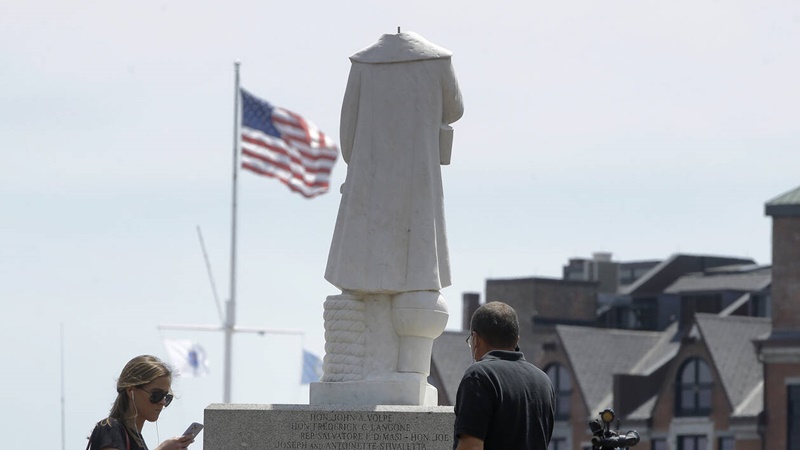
176 443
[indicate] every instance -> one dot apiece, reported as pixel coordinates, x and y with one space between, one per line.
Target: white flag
312 368
188 358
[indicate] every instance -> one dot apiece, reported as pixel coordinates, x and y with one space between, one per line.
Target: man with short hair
503 401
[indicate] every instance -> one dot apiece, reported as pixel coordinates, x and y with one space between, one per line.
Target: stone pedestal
329 427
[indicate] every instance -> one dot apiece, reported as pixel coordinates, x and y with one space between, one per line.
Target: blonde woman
143 390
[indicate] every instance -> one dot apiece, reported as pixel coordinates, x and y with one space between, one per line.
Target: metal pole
230 310
63 419
220 311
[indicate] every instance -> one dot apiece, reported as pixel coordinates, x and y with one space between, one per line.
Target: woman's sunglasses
157 395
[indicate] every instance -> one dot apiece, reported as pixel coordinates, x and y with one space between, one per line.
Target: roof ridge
757 389
648 275
751 319
613 331
666 335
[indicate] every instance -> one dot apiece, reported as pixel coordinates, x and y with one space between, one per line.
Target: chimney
471 302
601 256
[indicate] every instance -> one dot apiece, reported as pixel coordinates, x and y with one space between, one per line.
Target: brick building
780 351
716 368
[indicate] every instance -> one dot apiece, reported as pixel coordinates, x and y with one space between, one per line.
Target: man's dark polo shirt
505 401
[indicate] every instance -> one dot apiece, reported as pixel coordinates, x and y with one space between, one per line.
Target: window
693 389
557 444
760 305
691 304
645 313
659 444
793 417
562 384
692 442
726 443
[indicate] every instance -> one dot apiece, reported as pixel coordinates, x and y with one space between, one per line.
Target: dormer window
562 384
693 389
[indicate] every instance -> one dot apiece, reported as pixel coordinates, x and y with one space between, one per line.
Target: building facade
706 358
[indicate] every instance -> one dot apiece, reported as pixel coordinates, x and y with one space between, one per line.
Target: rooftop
730 342
717 280
786 204
596 354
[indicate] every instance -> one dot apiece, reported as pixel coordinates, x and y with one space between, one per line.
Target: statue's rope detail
345 323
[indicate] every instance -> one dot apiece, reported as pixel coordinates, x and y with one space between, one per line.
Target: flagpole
230 312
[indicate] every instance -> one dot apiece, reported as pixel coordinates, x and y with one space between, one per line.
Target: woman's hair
138 372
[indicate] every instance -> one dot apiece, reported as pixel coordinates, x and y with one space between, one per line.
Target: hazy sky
641 128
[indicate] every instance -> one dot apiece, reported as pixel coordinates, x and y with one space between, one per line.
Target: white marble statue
389 249
390 233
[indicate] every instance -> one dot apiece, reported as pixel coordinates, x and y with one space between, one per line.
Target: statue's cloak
390 232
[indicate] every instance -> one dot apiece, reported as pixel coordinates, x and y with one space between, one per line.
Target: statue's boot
418 318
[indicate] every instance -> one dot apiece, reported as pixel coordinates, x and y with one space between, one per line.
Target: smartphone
193 430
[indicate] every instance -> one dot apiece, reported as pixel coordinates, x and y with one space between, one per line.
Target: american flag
281 144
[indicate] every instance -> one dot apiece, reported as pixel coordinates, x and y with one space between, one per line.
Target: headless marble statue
389 249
